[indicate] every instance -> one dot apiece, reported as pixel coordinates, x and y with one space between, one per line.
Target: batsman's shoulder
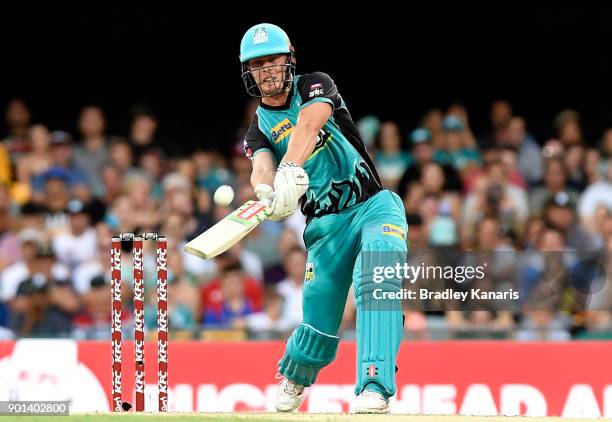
315 77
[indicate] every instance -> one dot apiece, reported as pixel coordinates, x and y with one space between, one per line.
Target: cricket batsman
306 150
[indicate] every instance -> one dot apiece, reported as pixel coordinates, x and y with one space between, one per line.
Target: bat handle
267 202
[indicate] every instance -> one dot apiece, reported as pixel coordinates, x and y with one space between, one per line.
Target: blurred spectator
94 320
423 152
269 324
78 244
368 127
432 180
234 305
143 132
432 121
180 314
292 288
6 173
120 155
212 295
43 308
500 116
17 118
33 163
391 161
494 196
554 182
597 197
569 129
605 148
543 281
92 153
458 148
509 159
36 257
9 242
211 170
574 162
417 241
55 199
61 153
529 152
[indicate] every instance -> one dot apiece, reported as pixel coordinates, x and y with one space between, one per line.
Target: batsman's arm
304 136
264 168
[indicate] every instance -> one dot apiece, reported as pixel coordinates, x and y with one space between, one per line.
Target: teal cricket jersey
340 171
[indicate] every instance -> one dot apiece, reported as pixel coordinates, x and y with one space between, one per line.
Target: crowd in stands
64 194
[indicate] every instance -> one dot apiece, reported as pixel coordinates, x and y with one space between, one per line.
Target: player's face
269 73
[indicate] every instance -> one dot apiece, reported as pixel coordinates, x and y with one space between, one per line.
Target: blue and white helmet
261 40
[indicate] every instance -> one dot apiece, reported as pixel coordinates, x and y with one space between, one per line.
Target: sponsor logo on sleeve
315 90
393 230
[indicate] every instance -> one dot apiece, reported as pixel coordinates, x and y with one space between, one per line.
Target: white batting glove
264 192
290 183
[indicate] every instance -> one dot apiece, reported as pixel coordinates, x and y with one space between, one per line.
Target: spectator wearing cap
61 154
457 149
92 153
555 181
79 243
54 199
36 256
391 161
423 152
530 161
43 308
597 198
559 213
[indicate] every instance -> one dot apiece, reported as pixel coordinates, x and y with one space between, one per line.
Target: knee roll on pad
308 350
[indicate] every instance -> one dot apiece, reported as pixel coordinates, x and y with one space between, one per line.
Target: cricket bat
229 231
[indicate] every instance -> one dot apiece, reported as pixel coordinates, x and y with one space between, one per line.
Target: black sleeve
318 86
255 140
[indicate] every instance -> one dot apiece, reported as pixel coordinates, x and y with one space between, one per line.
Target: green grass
274 417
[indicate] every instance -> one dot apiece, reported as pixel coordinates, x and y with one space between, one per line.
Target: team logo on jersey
260 35
393 230
281 131
309 275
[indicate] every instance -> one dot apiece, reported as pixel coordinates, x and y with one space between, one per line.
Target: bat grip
267 202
